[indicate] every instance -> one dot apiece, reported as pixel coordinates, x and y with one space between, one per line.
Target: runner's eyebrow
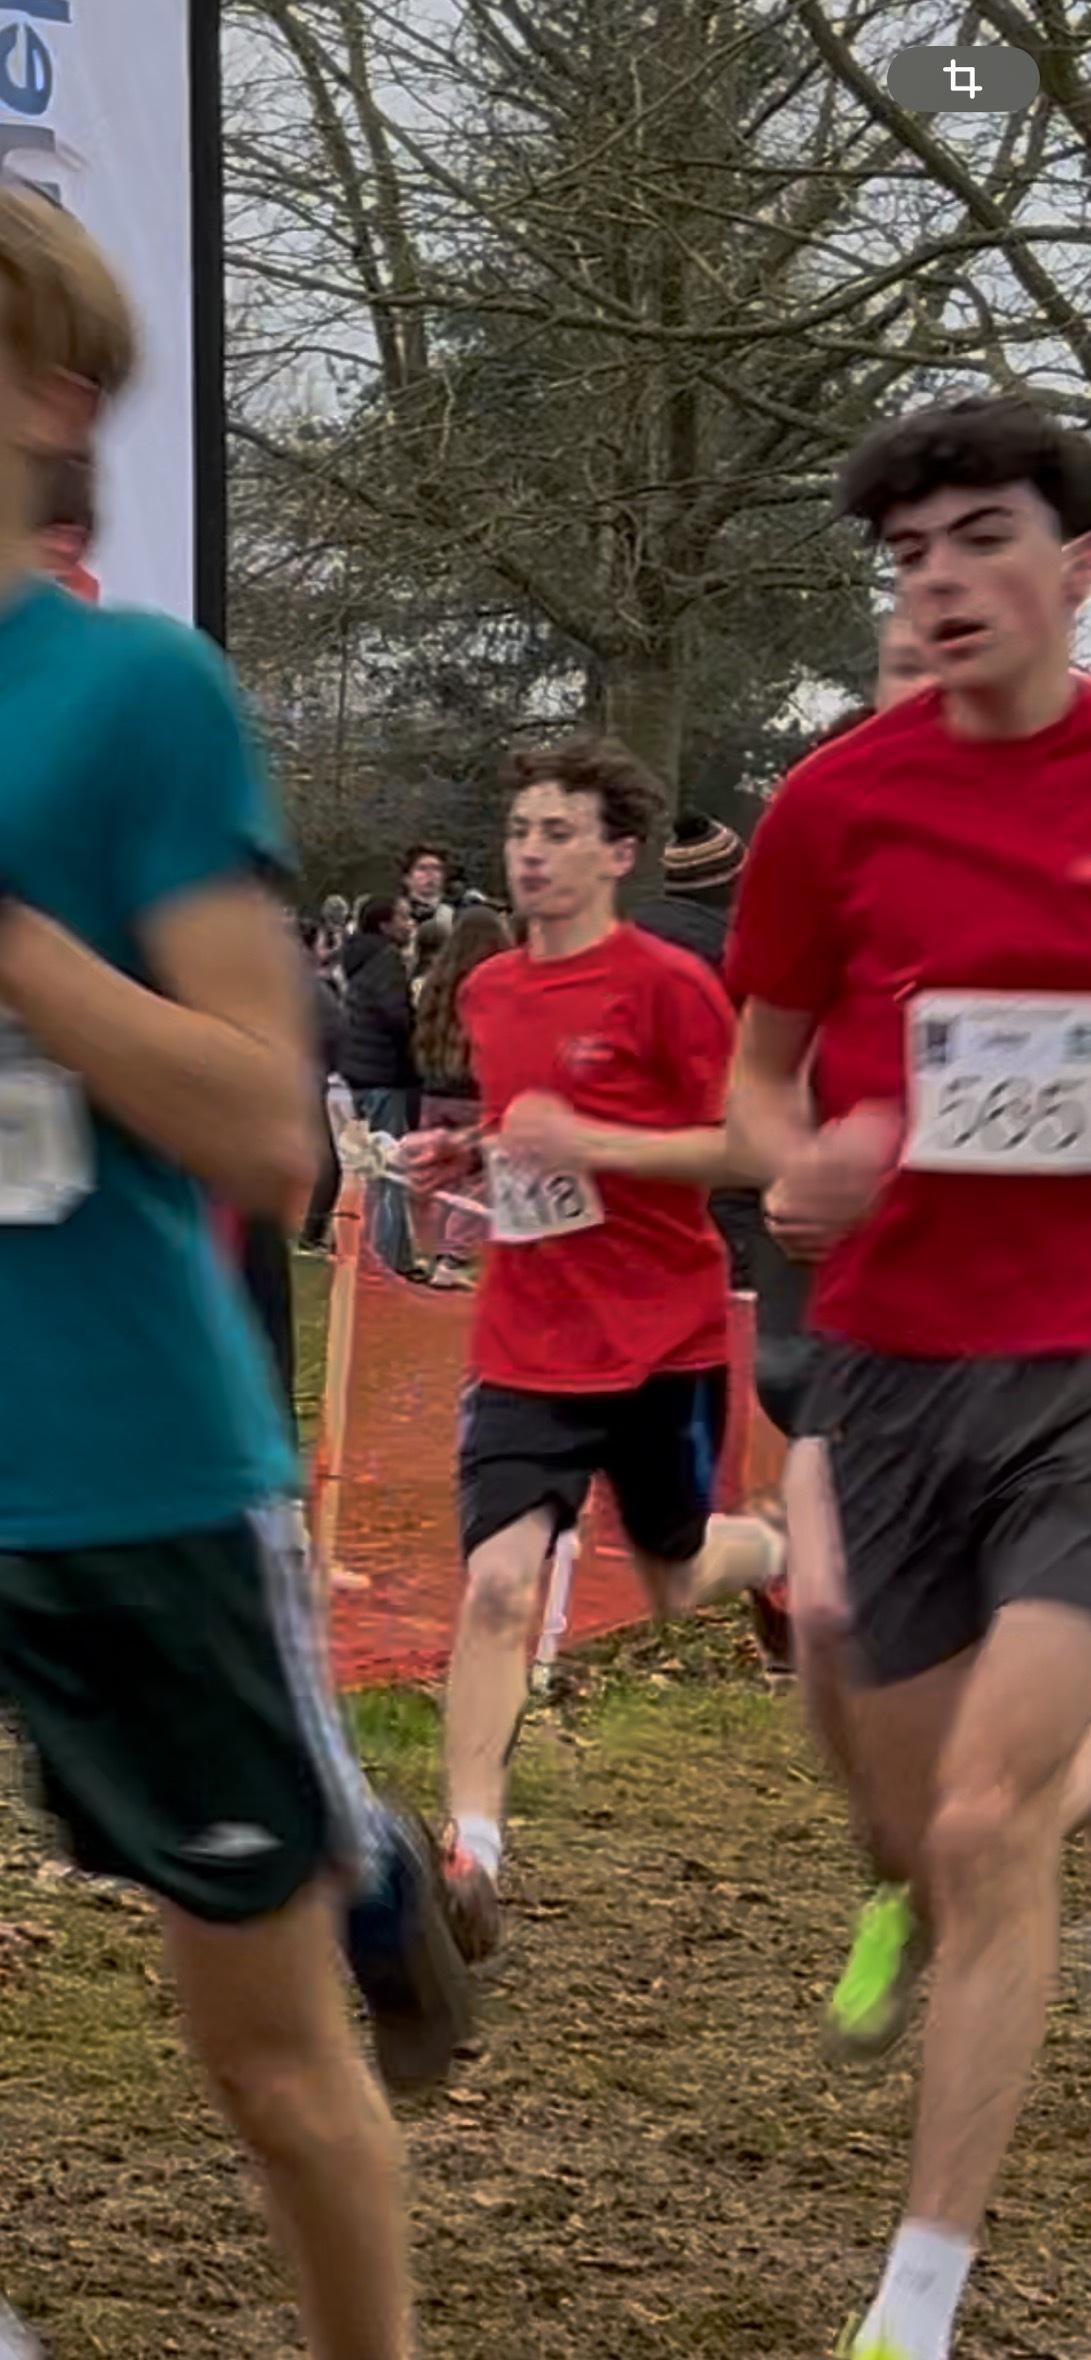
992 508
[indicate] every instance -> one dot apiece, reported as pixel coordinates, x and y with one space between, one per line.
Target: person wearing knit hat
702 865
704 856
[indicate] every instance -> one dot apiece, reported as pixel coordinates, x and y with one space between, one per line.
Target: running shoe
401 1948
472 1900
869 2010
450 1275
769 1602
849 2347
16 2341
773 1627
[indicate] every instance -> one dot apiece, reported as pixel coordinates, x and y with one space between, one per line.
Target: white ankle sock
481 1837
920 2294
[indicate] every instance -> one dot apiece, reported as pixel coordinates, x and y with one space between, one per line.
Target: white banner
94 102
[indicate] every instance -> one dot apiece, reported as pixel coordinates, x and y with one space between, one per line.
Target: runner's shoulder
488 986
148 656
672 973
835 776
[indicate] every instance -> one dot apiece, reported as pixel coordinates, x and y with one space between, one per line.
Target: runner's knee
502 1588
823 1633
978 1841
288 2103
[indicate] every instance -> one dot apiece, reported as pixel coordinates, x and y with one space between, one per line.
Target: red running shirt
899 859
632 1032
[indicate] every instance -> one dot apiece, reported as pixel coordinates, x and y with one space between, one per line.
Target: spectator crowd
386 976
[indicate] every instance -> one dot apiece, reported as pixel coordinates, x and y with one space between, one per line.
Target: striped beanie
703 855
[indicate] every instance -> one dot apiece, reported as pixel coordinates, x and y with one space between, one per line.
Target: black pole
209 406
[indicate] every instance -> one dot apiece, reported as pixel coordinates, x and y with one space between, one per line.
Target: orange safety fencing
384 1510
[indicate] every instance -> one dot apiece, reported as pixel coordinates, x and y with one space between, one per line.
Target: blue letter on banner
32 96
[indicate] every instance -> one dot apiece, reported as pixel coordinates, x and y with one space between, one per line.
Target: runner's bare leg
993 1852
487 1683
265 2006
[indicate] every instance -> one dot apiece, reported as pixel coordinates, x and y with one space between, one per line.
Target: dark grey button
992 80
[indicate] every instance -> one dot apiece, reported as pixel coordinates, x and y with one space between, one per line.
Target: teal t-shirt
136 1395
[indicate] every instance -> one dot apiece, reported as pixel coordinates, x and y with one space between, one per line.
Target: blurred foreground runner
918 906
155 1633
600 1343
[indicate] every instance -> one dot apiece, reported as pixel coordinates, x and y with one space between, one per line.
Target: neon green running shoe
869 2010
849 2346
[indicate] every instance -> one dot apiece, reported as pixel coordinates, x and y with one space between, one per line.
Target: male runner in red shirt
601 1335
918 903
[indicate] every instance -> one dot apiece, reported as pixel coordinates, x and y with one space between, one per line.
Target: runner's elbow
276 1167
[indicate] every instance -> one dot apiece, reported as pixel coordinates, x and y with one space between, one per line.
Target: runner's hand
799 1241
541 1129
832 1183
436 1159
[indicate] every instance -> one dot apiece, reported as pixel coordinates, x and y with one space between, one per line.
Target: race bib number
46 1146
526 1205
998 1083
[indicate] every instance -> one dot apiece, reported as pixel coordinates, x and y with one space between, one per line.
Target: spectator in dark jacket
378 1062
702 867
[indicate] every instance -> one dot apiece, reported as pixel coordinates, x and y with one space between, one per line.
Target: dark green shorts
175 1695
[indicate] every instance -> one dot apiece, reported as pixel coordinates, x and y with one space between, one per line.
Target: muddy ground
649 2158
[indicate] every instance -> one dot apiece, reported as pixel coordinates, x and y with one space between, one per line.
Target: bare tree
578 304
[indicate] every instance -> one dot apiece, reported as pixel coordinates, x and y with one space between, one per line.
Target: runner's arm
699 1157
218 1076
769 1116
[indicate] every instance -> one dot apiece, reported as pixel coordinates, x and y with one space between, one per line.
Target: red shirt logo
588 1055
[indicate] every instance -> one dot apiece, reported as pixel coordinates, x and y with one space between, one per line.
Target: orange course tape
384 1505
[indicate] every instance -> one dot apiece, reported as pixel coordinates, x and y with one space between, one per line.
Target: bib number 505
1008 1116
999 1083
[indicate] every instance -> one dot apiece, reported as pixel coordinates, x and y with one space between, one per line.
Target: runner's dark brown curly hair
631 799
974 445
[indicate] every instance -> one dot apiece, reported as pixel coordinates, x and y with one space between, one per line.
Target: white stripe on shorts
359 1822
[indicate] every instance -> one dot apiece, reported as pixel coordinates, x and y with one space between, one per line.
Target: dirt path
651 2159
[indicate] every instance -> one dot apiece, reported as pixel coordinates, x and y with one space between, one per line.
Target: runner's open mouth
956 631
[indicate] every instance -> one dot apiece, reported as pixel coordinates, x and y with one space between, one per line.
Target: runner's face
559 861
903 666
984 583
17 412
42 416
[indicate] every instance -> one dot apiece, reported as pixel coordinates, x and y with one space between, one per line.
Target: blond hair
60 304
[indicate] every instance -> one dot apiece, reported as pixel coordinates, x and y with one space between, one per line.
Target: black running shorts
959 1487
659 1447
175 1698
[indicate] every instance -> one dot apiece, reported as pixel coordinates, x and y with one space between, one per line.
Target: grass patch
311 1286
397 1733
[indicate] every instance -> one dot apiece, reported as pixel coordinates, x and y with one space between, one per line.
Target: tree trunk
645 707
